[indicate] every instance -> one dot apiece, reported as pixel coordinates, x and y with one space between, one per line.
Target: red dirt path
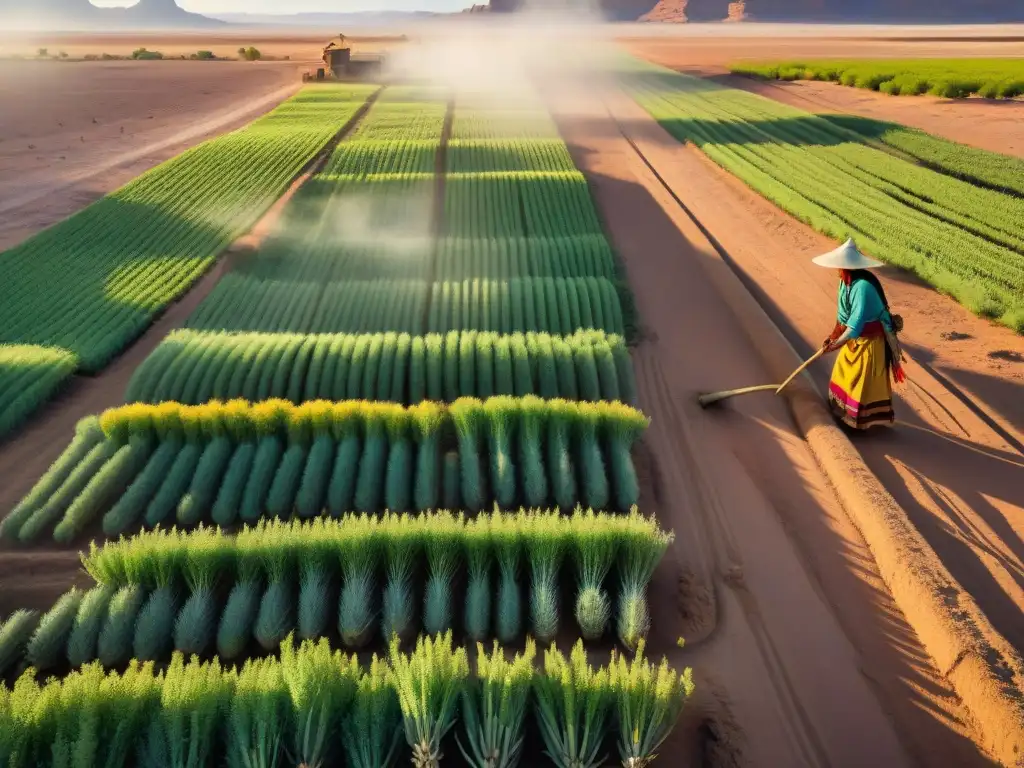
808 647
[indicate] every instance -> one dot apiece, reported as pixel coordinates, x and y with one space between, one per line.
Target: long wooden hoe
714 397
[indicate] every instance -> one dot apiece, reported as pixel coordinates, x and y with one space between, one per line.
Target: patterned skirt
860 393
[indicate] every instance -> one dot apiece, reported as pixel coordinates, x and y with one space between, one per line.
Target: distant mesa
82 14
837 11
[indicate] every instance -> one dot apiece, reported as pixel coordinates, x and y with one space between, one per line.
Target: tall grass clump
285 485
500 414
623 427
595 491
532 421
197 503
494 707
114 646
647 701
243 604
594 545
276 617
14 636
48 644
373 463
359 551
545 544
428 681
316 475
561 424
428 419
479 555
320 683
228 499
315 569
442 541
256 715
371 729
179 475
347 433
268 418
642 544
572 701
204 561
154 627
88 622
468 415
403 543
399 473
507 538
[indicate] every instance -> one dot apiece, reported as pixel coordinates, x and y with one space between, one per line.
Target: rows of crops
228 461
977 166
194 367
307 413
93 283
316 706
29 376
966 241
86 288
949 78
352 580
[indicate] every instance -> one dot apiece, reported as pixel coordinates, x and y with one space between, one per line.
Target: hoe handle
800 370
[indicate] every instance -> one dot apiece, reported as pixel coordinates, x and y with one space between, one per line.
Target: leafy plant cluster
193 367
315 706
506 258
29 376
964 240
948 78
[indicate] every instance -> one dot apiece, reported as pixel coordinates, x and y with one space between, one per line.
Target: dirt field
799 649
72 132
796 595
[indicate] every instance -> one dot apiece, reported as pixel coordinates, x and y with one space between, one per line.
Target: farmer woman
860 392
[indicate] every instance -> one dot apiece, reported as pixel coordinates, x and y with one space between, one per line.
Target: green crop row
553 305
349 580
94 282
948 78
963 240
235 460
29 376
314 706
193 367
509 257
992 170
524 203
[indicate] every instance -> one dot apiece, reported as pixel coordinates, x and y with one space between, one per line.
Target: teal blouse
860 304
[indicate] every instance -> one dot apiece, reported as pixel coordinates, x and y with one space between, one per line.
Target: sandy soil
300 45
72 132
805 645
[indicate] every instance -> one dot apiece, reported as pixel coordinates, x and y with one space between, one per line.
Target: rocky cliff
81 14
882 11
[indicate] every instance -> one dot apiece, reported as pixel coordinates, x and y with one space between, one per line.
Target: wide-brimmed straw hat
846 256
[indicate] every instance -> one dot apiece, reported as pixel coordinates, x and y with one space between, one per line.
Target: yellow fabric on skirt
860 393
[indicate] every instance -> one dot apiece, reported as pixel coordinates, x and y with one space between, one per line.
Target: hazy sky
300 6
